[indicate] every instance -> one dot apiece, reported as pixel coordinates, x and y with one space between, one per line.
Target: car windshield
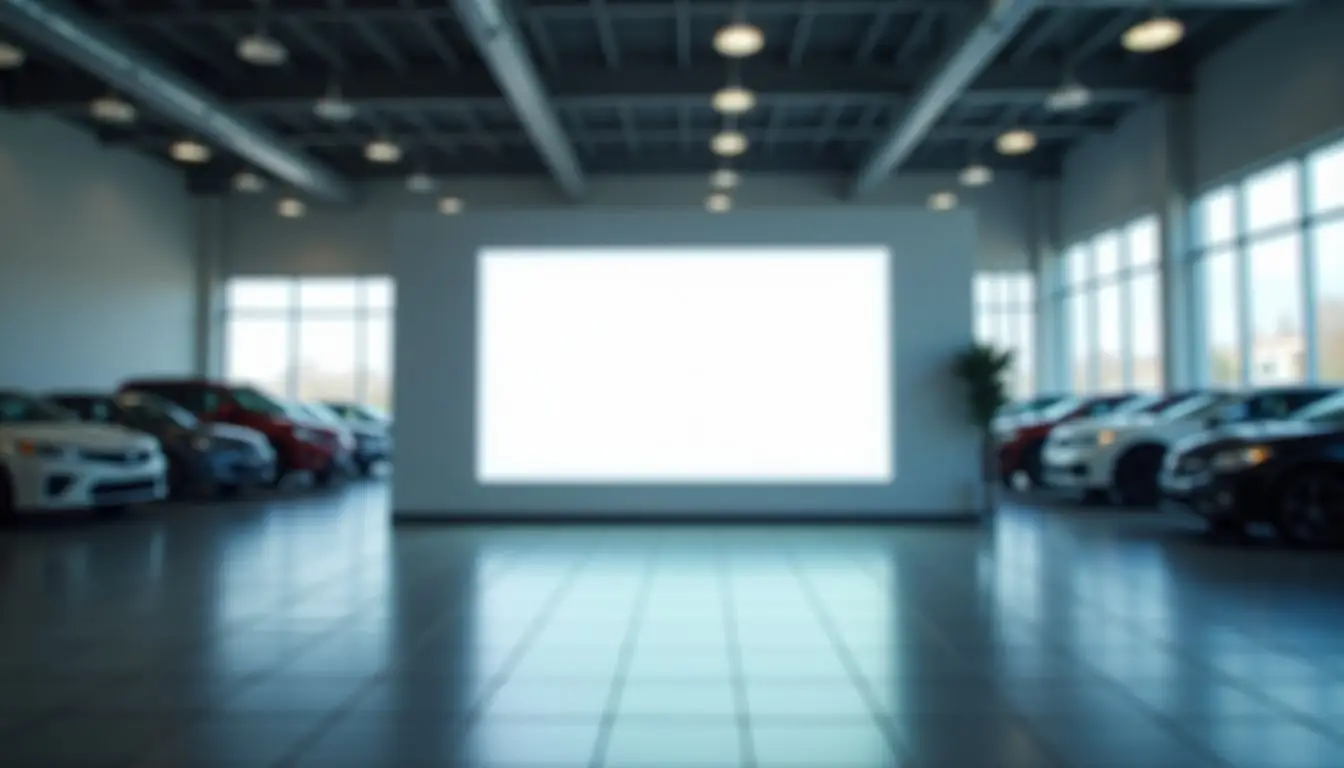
1330 409
154 408
1193 405
1139 404
16 407
1061 409
254 401
322 413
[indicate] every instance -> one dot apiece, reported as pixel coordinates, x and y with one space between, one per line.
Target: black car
223 457
1288 473
372 431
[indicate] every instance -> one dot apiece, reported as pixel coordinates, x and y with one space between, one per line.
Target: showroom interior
657 303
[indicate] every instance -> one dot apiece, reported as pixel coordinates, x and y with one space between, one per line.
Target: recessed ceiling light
734 100
420 183
189 151
1154 34
718 203
247 181
450 206
262 50
976 175
1018 141
729 143
942 201
724 178
11 56
333 108
1069 96
291 208
112 109
739 40
382 151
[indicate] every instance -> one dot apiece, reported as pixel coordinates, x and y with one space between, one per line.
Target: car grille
121 458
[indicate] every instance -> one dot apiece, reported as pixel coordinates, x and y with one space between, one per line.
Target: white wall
435 269
97 273
356 239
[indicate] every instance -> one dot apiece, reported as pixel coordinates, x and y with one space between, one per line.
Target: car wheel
1311 508
324 476
1095 497
1226 529
364 468
1136 472
1033 472
281 469
228 490
115 510
177 480
8 508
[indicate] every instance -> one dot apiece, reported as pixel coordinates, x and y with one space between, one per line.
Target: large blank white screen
619 366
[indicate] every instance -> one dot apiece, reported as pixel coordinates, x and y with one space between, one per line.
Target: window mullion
1307 252
1241 258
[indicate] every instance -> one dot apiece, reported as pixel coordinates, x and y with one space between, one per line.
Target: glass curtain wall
311 338
1005 317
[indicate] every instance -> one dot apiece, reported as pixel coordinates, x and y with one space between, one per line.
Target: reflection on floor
304 631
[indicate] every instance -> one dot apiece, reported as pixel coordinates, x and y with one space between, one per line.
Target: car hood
79 435
1218 438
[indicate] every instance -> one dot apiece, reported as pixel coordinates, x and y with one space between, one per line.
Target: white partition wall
918 270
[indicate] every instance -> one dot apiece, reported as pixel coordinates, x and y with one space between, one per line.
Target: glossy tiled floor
305 632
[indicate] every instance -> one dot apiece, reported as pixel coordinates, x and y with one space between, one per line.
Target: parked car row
1272 455
157 438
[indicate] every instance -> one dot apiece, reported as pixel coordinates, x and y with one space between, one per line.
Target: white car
1120 456
51 461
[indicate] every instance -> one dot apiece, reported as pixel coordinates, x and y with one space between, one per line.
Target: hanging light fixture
1071 95
261 50
729 143
420 183
11 55
189 151
382 151
1018 141
450 206
725 178
113 110
332 107
734 100
976 175
248 182
1156 33
291 208
719 202
739 40
942 201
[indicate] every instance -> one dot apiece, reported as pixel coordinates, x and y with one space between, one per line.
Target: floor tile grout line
624 659
856 677
736 667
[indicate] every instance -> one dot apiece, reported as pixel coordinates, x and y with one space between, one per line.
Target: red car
1020 449
300 445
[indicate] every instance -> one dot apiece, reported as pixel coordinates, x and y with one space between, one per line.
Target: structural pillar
209 280
1182 326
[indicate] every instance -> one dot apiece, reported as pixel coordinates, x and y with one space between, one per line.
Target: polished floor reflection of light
304 631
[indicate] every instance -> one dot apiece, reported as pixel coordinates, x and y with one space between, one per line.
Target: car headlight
41 450
1240 458
201 443
1106 437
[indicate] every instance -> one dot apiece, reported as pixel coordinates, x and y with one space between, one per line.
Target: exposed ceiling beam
670 86
73 36
967 61
501 47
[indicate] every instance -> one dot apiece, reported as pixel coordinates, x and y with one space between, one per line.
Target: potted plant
981 369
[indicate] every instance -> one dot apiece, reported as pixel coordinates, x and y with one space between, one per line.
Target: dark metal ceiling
629 81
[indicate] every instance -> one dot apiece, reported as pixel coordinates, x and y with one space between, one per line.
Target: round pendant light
291 208
1018 141
739 40
382 151
11 56
734 100
729 143
332 107
450 206
1070 96
420 183
718 202
1153 34
112 110
189 151
942 201
976 175
248 182
261 50
725 178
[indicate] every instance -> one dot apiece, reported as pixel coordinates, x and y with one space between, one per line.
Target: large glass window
1005 317
311 338
1270 256
1113 301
